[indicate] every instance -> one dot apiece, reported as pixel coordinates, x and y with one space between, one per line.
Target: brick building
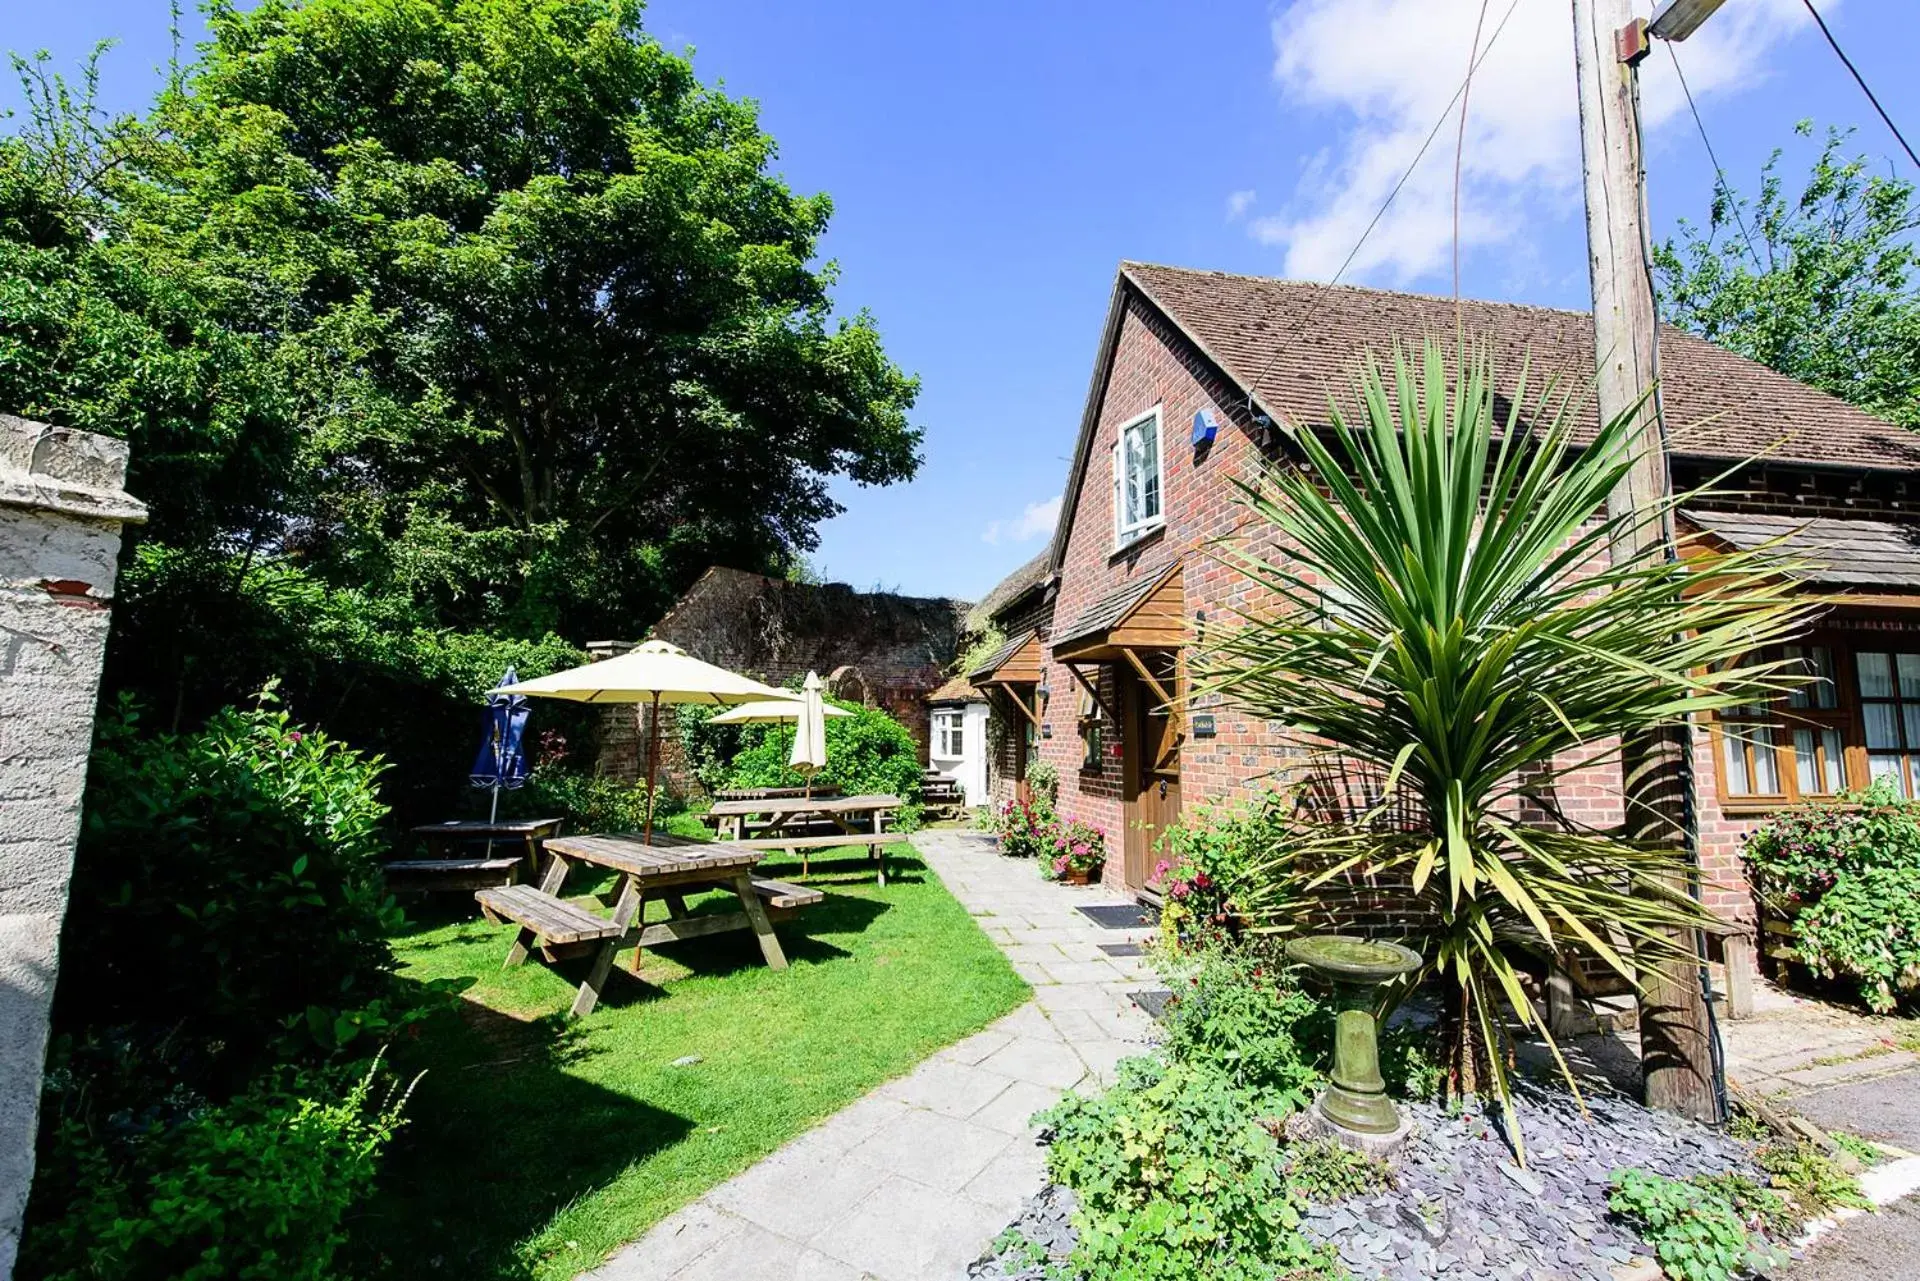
1196 368
877 648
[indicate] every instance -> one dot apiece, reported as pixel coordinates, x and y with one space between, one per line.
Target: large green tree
556 333
1821 287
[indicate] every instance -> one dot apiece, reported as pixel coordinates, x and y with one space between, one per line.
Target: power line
1719 174
1386 204
1862 82
1459 154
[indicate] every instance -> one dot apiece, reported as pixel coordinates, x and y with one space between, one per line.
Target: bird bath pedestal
1354 1107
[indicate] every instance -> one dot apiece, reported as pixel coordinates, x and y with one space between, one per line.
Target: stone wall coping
61 469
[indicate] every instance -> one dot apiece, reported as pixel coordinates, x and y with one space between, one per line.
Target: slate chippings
1461 1209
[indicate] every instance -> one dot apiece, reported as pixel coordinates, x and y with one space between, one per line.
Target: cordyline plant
1443 628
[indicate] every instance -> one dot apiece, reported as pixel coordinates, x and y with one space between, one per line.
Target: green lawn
535 1146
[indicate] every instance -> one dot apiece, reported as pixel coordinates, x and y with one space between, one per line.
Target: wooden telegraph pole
1676 1050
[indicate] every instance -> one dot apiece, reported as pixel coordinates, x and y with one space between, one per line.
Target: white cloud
1238 203
1036 521
1385 69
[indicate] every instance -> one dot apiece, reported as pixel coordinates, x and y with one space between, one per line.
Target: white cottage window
1137 487
948 735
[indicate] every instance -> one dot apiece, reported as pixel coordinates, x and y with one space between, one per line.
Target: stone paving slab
914 1181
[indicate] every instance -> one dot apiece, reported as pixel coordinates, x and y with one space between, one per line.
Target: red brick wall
1154 365
1032 611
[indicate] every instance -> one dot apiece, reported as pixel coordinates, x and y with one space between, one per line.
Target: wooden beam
1166 699
1031 713
1093 689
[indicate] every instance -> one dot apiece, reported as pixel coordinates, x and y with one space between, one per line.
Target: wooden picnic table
860 820
453 864
668 869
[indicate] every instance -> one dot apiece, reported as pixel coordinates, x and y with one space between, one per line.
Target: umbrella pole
653 760
493 814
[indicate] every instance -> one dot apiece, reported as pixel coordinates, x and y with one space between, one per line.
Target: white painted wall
969 769
62 506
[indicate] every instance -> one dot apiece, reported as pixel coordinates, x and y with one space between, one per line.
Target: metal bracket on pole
1631 43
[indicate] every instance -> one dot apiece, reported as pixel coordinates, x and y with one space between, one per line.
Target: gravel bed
1463 1210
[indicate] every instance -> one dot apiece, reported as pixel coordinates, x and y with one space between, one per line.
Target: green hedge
867 752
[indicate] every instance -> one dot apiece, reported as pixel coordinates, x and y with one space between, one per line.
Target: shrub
1695 1232
255 1190
1022 827
195 632
1070 845
1848 875
867 752
1176 1180
1243 1017
1209 858
227 885
1043 780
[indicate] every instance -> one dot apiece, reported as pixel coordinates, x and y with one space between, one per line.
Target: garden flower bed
1202 1163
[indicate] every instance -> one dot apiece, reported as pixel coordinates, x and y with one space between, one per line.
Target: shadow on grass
499 1137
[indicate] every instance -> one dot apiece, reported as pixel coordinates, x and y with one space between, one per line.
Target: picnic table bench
791 823
452 863
668 869
941 791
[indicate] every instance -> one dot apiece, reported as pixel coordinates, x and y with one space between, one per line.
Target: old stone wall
62 507
890 650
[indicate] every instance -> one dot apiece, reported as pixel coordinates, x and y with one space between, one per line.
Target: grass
536 1146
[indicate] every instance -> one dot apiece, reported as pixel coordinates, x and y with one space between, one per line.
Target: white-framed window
1138 491
948 735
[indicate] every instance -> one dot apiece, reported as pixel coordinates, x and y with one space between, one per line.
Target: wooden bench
803 844
558 928
784 897
452 873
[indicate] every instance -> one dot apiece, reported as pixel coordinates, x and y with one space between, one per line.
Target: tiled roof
1006 591
994 661
958 689
1109 609
1292 343
1837 552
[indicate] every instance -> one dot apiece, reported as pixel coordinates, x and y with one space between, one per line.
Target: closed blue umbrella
502 762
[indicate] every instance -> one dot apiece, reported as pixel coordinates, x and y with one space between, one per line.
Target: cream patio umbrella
810 732
786 709
655 673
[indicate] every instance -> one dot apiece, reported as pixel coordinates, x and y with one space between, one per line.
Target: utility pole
1676 1049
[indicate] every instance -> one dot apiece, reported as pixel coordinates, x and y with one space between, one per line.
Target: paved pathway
915 1180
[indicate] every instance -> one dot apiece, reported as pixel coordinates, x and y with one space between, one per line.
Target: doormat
1153 1001
1121 916
1123 949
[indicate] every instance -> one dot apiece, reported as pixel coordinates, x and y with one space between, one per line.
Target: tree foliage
554 331
1821 286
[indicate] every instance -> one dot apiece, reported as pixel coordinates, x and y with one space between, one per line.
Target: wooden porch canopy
1147 614
1849 561
1014 670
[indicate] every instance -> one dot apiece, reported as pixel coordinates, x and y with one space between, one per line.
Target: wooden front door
1151 761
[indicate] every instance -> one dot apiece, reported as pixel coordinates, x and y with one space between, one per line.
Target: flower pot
1080 876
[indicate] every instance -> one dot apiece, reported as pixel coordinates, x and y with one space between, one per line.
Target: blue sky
991 163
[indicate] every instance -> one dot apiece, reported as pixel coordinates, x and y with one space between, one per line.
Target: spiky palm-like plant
1448 621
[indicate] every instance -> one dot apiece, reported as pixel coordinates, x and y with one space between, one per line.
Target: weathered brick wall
1154 364
898 650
